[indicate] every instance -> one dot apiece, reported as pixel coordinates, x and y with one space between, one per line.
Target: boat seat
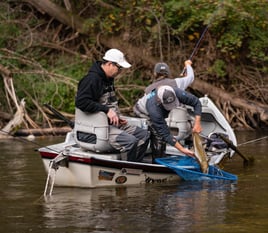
179 123
91 131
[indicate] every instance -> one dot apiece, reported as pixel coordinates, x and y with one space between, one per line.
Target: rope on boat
59 160
50 179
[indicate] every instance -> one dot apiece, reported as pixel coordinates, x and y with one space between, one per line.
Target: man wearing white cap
156 105
96 92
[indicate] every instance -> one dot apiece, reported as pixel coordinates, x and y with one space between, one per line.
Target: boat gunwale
111 163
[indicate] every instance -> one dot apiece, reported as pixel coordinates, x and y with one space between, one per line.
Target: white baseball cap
168 97
115 55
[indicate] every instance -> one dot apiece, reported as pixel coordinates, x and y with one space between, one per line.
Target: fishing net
188 169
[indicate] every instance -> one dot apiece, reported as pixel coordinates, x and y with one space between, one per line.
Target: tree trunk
15 122
61 14
218 94
41 132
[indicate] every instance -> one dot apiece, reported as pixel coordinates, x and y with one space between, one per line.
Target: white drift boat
74 163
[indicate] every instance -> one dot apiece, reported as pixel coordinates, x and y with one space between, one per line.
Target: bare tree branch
61 14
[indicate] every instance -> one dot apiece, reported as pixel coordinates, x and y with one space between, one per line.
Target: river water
218 207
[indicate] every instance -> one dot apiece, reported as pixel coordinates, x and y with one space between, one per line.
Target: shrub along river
183 207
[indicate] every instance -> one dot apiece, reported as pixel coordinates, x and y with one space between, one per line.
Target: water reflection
219 207
187 206
200 202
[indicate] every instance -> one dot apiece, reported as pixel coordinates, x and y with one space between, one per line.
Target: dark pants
131 140
158 146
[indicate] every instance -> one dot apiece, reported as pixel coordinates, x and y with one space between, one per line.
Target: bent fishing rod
195 48
200 39
198 42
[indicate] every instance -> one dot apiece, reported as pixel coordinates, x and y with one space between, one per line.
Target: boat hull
92 172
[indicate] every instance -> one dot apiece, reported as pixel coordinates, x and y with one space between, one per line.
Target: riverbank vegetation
47 46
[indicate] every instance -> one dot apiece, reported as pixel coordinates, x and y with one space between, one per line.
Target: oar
59 115
247 161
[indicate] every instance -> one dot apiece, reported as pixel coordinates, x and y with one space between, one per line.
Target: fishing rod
22 139
195 48
28 140
198 42
201 38
232 146
59 115
229 143
247 160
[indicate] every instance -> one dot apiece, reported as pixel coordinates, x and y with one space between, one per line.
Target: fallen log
43 132
61 14
216 93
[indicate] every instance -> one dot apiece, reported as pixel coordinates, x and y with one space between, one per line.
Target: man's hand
113 118
188 62
184 150
187 152
197 125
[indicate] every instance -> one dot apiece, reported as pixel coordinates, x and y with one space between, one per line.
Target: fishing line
251 141
57 114
27 140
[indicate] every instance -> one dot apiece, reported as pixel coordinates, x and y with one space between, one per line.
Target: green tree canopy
48 46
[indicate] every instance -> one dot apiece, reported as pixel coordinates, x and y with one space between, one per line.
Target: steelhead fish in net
200 153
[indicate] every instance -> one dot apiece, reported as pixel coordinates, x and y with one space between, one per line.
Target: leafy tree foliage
47 58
